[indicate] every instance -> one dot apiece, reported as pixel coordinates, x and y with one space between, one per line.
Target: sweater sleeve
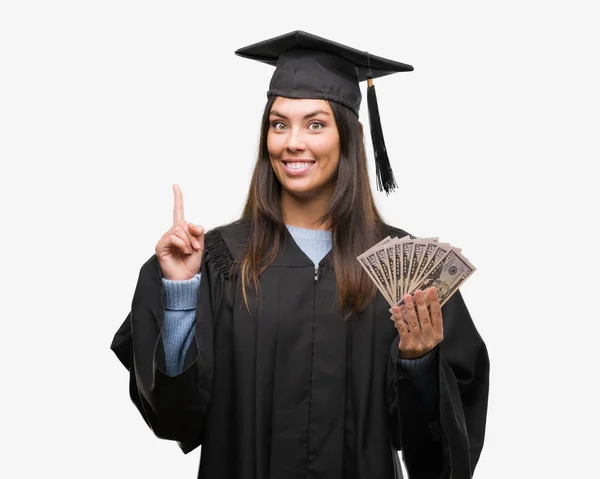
179 302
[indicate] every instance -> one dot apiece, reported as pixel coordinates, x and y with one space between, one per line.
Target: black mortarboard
308 66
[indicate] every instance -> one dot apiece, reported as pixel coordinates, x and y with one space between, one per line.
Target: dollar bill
400 266
370 263
399 272
388 248
429 253
447 275
419 248
440 250
385 269
407 252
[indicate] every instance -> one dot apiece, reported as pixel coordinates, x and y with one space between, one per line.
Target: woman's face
303 144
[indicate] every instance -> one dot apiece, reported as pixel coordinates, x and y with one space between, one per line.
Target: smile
295 168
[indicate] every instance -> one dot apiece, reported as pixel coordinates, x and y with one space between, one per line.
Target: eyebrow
308 115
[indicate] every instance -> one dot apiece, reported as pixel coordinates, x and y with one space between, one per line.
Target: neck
304 212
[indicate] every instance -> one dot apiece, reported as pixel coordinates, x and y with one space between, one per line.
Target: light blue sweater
179 300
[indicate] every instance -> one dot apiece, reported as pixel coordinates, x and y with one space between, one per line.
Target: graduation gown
290 390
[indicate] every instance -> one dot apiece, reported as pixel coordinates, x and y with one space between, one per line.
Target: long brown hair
356 225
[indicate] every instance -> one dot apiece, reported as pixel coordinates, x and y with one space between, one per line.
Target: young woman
265 342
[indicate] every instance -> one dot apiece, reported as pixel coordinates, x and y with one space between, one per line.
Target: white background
105 104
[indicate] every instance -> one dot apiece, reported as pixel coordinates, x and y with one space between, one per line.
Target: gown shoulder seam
216 250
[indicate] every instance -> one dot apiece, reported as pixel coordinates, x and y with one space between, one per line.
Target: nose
295 141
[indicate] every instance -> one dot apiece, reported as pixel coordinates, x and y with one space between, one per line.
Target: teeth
298 166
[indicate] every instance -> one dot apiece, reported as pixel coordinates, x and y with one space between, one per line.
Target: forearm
415 411
173 406
423 372
179 301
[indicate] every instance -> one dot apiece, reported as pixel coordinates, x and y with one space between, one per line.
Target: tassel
385 176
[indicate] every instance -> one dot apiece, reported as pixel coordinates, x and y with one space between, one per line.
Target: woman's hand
179 250
422 329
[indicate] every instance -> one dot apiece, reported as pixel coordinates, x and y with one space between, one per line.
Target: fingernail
196 244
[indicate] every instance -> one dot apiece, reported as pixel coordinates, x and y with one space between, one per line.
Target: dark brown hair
356 225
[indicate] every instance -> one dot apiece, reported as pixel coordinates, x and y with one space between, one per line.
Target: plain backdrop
493 139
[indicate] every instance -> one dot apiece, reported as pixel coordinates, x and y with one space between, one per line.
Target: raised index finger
177 205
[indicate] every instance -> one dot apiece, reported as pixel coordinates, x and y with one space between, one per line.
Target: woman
264 340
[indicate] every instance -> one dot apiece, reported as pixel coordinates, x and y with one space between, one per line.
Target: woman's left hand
422 331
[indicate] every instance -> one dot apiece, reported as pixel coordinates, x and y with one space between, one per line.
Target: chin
304 193
297 189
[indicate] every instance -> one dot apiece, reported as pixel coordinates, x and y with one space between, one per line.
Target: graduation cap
308 66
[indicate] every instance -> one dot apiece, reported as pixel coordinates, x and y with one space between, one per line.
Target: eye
316 125
278 125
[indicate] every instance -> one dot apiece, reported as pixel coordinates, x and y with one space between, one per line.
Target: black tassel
385 176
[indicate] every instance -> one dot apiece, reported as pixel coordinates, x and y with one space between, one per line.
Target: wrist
180 295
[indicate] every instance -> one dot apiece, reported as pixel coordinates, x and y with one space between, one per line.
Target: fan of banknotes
400 266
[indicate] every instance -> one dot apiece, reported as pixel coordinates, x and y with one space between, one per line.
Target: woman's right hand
179 250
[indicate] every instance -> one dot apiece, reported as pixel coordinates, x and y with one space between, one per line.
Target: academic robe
290 390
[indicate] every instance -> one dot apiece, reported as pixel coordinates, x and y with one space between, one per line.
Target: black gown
292 391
